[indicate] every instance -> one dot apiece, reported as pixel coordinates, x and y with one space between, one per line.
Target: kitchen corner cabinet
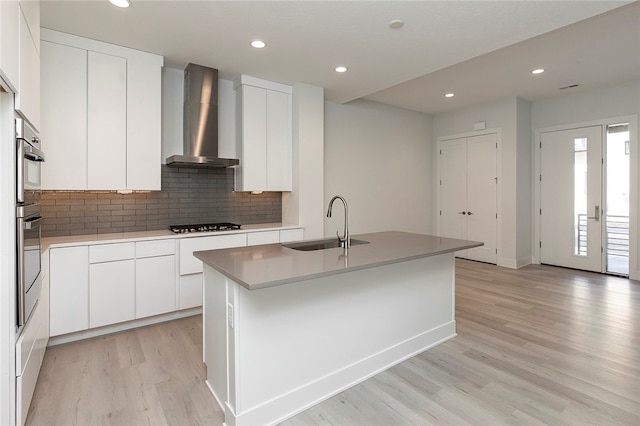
264 135
101 112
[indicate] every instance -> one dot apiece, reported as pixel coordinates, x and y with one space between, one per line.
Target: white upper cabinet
106 122
64 121
27 98
102 106
9 42
264 135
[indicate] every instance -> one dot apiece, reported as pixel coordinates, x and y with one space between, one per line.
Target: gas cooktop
204 227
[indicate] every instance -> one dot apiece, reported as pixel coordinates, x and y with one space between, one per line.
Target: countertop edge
274 283
125 237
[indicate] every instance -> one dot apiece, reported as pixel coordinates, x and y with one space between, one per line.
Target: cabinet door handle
462 212
469 213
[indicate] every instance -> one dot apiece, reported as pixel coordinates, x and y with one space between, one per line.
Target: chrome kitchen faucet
345 241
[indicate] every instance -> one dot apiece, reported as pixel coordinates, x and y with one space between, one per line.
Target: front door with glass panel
571 198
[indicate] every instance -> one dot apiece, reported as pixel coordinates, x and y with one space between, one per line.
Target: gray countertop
270 265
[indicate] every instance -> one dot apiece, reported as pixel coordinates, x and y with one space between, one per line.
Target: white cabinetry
264 135
64 101
97 285
112 95
288 235
111 284
155 277
106 121
30 348
9 43
467 193
190 286
263 237
27 99
69 289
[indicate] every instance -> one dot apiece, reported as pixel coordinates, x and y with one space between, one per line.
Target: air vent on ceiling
571 86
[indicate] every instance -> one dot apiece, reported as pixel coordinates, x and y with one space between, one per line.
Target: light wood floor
540 345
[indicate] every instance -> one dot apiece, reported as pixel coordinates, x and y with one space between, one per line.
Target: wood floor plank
538 345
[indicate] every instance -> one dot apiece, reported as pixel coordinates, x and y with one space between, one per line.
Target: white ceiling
481 50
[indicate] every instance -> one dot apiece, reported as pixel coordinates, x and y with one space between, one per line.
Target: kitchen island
285 329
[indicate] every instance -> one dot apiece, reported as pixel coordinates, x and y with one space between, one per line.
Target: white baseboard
114 328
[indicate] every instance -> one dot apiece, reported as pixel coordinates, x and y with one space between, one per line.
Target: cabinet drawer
111 252
287 235
265 237
27 340
155 248
191 265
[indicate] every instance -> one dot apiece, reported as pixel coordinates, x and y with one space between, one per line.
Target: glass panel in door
617 189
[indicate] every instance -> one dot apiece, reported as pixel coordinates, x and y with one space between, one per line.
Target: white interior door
481 196
571 198
467 193
452 169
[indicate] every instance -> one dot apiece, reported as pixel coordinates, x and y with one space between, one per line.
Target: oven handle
20 272
28 223
31 152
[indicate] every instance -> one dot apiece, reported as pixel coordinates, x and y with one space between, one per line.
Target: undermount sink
320 244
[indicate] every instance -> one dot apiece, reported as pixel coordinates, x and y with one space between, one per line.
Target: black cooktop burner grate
204 227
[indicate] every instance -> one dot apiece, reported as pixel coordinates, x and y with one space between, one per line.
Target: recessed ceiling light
120 3
341 69
537 71
396 24
448 95
258 44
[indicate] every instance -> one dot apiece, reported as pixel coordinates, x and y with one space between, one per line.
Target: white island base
274 352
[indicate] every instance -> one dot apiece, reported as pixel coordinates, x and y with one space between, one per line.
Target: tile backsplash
188 196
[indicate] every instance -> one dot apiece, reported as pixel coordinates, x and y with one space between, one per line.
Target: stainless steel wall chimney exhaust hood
200 121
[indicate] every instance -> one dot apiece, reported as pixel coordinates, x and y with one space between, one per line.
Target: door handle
469 213
462 212
596 214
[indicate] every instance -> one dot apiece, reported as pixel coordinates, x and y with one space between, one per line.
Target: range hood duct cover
200 121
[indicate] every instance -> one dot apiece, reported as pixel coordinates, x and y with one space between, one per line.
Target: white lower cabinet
190 284
111 292
264 237
30 348
155 278
111 284
104 284
69 289
288 235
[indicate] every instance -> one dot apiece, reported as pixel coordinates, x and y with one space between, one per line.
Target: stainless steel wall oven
28 220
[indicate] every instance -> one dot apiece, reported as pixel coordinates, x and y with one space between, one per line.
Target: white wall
511 117
304 204
615 101
380 159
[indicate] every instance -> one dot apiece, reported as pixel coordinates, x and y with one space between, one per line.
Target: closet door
481 196
467 173
452 167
